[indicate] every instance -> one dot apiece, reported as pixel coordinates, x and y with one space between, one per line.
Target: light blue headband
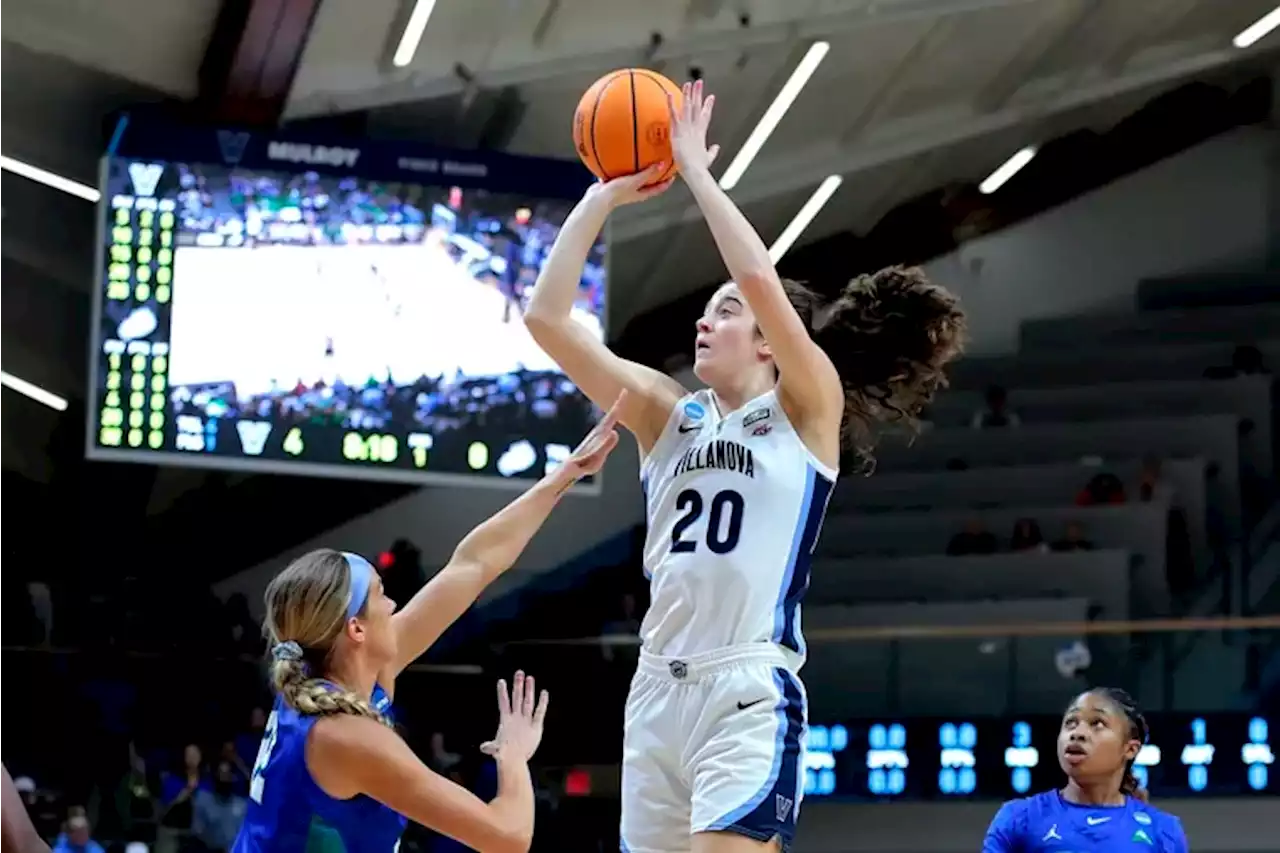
362 573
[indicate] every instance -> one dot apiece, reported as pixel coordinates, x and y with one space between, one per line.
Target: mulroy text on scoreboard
347 308
1188 755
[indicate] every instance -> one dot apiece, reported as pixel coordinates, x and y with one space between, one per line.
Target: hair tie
288 650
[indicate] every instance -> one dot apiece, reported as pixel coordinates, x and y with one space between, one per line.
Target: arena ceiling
912 95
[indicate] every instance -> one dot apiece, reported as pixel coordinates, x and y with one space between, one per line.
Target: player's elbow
511 837
545 329
539 322
756 279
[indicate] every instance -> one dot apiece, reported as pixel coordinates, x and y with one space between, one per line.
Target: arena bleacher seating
1162 403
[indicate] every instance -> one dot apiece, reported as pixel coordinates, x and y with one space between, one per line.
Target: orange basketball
622 125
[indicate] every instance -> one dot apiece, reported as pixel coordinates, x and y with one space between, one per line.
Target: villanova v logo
145 177
232 145
782 807
253 436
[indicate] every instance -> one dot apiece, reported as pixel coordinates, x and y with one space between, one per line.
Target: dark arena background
265 269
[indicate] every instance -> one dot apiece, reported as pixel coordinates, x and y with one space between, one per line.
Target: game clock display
1187 756
333 309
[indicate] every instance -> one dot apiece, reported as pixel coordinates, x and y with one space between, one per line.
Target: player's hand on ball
589 456
630 189
689 123
519 719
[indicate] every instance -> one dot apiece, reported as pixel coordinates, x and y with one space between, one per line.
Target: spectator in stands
1027 536
240 769
401 570
177 791
23 627
218 813
627 624
246 634
1073 539
135 803
247 744
1148 478
40 805
974 539
1246 360
997 413
440 759
1103 488
76 838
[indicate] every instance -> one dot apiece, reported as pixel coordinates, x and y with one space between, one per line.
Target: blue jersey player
1102 808
331 774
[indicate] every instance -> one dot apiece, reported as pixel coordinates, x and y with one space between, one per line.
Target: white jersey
734 502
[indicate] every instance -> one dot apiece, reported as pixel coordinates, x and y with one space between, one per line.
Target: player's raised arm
590 364
492 547
807 378
350 755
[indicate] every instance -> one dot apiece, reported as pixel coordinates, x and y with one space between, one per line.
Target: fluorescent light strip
35 392
1011 167
1259 29
773 116
816 202
413 31
49 179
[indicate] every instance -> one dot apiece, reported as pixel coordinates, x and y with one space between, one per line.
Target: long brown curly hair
890 336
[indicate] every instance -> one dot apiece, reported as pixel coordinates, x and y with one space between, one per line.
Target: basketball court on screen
276 315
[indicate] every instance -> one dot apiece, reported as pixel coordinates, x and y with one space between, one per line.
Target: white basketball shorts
713 742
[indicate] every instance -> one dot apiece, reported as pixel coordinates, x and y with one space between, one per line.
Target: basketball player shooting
736 480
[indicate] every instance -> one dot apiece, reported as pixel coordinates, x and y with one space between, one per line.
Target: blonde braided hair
306 607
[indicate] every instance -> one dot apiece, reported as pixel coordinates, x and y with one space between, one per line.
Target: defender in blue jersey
332 775
1102 809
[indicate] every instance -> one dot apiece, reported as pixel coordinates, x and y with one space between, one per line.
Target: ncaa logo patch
694 410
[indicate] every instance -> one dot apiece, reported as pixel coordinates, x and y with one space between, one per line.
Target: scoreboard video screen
1188 755
342 310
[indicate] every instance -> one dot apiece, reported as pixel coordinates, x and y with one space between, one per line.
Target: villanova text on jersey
718 454
734 503
1047 823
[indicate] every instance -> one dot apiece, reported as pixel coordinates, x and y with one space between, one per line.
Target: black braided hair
1138 730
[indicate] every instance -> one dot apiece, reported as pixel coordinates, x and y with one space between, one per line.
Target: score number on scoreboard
139 281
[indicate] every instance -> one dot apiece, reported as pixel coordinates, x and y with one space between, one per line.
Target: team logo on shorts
782 807
679 669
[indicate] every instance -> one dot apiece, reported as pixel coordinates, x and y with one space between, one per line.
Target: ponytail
890 335
1130 787
317 697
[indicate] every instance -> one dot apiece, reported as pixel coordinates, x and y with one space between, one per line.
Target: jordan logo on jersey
720 454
